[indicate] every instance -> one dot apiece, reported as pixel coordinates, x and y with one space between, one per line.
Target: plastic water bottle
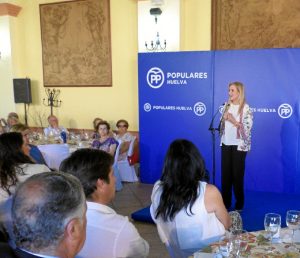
64 136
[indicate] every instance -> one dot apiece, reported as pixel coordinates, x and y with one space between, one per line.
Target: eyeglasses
121 126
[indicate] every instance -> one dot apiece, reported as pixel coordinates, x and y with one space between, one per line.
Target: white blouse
229 137
186 234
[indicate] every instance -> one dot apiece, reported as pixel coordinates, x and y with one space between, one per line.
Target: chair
237 222
119 185
127 172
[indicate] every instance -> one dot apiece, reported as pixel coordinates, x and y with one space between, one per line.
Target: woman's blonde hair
241 89
19 128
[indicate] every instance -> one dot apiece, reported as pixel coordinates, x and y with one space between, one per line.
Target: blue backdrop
180 92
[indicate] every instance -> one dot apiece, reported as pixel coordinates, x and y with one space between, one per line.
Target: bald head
42 207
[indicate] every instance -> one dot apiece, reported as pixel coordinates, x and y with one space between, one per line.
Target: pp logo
285 110
147 107
221 109
199 109
155 77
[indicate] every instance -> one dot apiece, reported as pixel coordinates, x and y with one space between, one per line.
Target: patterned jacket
244 131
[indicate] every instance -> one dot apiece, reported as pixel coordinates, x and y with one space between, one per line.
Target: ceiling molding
9 9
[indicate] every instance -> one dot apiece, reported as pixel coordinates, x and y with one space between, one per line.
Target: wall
195 25
81 105
5 67
168 25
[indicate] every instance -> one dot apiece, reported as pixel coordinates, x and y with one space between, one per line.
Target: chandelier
156 45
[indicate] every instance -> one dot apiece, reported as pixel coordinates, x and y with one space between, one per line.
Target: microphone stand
213 134
213 130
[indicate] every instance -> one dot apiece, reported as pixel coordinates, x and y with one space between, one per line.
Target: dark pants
233 170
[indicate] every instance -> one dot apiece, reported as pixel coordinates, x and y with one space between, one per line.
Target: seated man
108 234
54 129
49 216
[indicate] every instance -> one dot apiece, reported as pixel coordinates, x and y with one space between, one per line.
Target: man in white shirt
54 129
49 216
109 235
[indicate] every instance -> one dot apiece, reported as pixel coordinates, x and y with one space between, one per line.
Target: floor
135 196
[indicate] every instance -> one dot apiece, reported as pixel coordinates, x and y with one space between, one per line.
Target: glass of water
239 242
293 223
272 224
225 245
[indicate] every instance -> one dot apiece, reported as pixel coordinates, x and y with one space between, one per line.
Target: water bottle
63 135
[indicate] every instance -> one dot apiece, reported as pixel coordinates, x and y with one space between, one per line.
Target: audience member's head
1 128
23 129
103 128
49 215
53 121
12 119
13 152
122 126
183 168
96 121
94 170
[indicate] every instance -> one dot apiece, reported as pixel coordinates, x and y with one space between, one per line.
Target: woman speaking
236 124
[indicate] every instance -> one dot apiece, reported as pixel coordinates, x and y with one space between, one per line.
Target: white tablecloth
54 154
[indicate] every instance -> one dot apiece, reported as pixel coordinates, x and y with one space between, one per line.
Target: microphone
225 104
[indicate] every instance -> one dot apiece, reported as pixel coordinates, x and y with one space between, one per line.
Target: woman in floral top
235 132
105 142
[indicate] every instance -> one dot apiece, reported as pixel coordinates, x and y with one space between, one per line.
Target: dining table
54 152
259 246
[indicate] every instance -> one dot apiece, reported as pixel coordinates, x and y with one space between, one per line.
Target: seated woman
108 144
12 119
189 213
16 165
34 152
96 121
125 137
105 142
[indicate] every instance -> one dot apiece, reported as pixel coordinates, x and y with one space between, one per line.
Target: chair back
117 152
119 185
237 221
131 146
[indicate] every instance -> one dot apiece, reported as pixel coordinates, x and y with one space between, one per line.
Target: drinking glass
272 224
85 136
240 241
293 223
225 245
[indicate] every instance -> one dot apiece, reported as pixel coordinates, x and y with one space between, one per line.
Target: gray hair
41 208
